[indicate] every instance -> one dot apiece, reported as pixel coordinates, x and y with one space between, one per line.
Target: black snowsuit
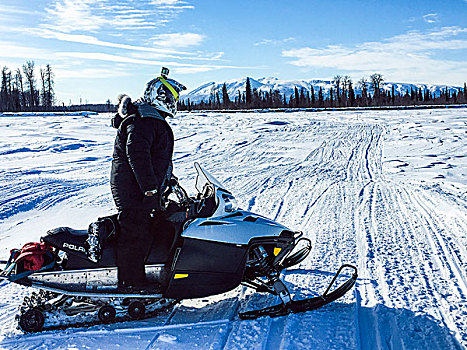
142 161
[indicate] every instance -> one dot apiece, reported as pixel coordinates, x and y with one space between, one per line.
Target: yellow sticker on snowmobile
277 251
180 275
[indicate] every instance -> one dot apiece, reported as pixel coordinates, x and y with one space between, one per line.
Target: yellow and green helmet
163 93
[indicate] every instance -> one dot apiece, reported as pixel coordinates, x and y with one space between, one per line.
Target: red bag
33 255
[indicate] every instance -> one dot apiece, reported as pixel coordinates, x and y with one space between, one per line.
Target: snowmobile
205 245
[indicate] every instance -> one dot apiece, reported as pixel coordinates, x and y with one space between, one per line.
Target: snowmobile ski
296 306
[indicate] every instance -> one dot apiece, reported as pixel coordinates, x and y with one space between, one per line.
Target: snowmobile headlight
230 203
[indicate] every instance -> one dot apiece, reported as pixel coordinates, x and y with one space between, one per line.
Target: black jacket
142 157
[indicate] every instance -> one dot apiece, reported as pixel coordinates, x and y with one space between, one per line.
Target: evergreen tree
43 90
276 98
4 96
337 82
255 98
297 97
312 94
346 81
225 97
426 96
320 97
50 94
377 83
364 87
302 99
248 93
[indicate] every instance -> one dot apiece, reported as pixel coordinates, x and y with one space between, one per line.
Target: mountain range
286 87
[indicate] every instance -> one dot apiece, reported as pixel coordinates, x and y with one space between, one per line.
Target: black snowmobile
208 246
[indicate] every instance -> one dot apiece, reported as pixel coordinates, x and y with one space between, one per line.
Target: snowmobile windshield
204 178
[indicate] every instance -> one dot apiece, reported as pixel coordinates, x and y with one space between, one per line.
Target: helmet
163 93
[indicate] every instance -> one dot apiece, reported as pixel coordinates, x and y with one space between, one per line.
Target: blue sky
100 48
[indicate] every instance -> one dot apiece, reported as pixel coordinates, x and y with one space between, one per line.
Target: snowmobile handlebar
174 187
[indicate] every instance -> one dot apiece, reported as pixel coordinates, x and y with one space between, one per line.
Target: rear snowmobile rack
288 305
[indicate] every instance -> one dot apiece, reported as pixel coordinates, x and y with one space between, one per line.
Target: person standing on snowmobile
141 169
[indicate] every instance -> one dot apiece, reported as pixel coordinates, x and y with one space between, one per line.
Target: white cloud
177 39
91 40
11 50
91 15
410 56
99 56
178 66
11 16
274 41
74 15
431 18
64 72
171 4
192 70
159 52
166 2
4 9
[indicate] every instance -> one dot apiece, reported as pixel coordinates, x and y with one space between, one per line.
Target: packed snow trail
383 190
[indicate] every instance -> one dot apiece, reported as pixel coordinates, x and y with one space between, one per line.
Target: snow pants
133 245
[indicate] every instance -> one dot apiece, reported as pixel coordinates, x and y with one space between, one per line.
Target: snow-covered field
384 190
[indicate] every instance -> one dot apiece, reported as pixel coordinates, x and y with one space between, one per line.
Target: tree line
19 90
342 94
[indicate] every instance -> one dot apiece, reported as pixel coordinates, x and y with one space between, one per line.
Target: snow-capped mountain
286 87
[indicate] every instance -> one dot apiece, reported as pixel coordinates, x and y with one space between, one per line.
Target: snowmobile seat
61 237
74 232
73 242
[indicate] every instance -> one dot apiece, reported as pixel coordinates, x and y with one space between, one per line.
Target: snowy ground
384 190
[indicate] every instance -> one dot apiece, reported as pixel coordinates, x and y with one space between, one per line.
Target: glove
173 180
152 200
